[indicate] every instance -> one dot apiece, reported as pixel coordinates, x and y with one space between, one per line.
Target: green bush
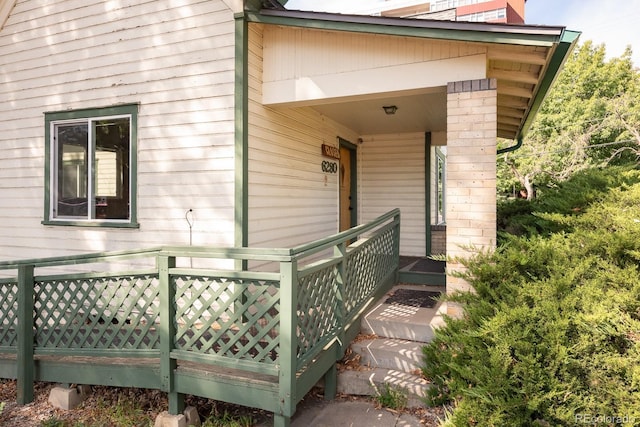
555 207
553 329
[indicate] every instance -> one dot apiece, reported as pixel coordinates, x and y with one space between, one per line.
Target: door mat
413 298
428 265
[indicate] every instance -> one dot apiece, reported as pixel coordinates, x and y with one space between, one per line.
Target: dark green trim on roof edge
568 41
445 30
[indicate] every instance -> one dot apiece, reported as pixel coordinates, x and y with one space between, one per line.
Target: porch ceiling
524 59
416 113
519 71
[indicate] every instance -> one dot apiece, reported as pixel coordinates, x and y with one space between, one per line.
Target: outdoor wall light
390 109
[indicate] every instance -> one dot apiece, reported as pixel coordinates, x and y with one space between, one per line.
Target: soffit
524 59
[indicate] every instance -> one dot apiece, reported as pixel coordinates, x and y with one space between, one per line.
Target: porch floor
422 271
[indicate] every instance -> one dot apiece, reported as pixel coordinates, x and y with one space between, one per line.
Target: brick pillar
471 173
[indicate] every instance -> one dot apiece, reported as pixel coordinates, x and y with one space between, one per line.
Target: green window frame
91 167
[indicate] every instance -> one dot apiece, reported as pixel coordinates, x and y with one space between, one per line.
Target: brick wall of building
471 172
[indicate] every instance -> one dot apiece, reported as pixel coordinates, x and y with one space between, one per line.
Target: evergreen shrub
552 332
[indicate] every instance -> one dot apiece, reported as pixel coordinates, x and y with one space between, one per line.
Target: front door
347 186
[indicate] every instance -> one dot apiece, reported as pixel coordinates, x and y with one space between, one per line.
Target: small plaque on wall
331 151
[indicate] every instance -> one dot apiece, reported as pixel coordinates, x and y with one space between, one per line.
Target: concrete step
371 382
403 321
389 353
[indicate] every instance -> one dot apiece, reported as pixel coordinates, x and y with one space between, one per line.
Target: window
90 166
486 16
441 178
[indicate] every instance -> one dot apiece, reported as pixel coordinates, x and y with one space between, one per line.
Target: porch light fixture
390 109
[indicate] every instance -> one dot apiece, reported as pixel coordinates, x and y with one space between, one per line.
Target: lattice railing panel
317 308
367 266
228 317
8 314
98 313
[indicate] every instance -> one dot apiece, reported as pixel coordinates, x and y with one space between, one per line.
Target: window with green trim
91 161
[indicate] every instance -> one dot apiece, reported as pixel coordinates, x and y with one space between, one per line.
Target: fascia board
561 53
459 31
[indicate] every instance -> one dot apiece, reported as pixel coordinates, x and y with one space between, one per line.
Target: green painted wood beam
116 375
427 192
417 278
25 370
241 133
242 391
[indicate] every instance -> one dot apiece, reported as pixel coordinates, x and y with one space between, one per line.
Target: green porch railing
260 338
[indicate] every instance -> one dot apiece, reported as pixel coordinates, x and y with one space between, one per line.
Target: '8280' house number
329 167
332 152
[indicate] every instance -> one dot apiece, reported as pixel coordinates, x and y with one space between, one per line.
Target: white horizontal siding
392 175
173 57
291 201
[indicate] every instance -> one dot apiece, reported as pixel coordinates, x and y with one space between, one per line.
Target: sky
612 22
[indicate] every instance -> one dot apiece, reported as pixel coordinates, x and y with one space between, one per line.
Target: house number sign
331 151
329 167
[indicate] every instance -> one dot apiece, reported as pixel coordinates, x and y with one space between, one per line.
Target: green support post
396 246
288 342
340 250
331 376
167 334
25 334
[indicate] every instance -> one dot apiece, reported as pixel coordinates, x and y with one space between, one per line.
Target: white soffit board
362 83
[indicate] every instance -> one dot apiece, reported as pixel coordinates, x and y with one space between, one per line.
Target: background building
501 11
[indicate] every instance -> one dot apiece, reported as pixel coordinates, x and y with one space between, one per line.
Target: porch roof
525 59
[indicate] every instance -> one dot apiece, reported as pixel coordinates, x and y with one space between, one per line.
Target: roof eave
567 42
447 30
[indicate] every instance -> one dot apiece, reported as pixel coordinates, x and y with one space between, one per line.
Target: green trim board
241 132
417 278
130 110
427 192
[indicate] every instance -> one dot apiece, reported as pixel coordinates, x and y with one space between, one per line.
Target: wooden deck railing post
25 372
288 342
396 245
168 333
331 377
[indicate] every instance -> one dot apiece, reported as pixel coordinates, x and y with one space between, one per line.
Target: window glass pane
111 172
72 169
441 177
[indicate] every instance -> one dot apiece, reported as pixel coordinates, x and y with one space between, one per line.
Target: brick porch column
471 173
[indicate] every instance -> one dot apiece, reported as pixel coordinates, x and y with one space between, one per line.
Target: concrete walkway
342 413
